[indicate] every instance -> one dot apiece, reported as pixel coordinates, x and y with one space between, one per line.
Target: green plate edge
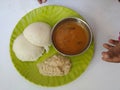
49 14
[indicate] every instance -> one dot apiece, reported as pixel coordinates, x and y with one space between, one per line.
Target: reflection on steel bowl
71 36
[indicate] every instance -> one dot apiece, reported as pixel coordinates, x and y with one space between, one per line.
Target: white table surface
104 18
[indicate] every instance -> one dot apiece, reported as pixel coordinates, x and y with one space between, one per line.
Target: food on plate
38 33
32 43
26 51
70 37
57 65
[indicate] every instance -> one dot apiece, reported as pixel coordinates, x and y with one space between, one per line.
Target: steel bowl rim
78 19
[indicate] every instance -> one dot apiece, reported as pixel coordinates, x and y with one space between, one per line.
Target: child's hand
113 53
42 1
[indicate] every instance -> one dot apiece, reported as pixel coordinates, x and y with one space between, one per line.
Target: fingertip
44 1
110 40
107 59
105 55
104 45
40 2
104 59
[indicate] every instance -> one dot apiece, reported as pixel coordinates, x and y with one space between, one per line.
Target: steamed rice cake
38 33
26 51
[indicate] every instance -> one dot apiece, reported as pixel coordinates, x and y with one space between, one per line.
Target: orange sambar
70 38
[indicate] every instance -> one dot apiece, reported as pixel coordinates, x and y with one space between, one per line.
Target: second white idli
26 51
38 33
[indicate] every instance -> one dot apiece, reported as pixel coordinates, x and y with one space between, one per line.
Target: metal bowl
83 24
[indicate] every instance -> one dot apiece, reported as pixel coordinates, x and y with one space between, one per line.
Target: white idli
38 33
26 51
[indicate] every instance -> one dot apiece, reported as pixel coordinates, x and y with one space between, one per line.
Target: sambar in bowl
71 36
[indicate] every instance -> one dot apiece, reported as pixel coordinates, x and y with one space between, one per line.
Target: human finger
113 60
114 42
108 54
106 59
109 57
42 1
105 55
107 46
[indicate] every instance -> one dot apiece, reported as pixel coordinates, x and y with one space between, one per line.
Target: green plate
49 14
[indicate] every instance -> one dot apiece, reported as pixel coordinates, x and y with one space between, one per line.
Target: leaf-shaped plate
49 14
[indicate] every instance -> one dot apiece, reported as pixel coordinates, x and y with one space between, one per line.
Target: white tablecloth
104 19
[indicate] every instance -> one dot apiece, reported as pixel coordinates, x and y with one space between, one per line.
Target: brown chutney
70 37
